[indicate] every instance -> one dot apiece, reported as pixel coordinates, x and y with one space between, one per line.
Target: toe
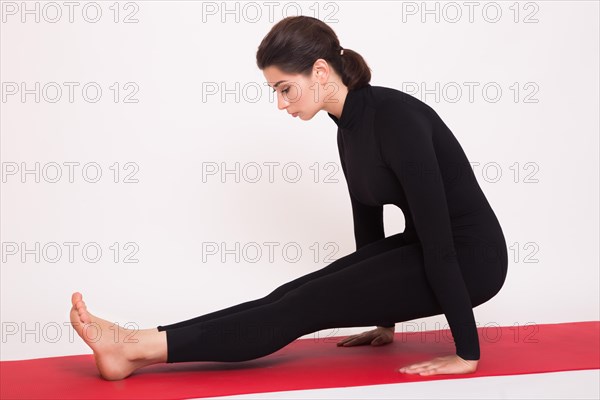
75 297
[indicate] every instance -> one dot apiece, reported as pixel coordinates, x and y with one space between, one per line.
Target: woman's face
299 95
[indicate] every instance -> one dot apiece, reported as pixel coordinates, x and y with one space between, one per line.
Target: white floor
553 385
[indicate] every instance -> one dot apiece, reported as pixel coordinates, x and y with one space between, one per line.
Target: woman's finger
346 340
415 367
441 365
355 340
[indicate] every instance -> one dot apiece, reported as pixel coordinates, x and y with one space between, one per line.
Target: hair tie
341 51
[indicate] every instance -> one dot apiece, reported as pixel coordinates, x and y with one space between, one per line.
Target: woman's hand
442 365
376 337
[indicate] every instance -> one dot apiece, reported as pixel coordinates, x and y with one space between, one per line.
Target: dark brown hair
294 44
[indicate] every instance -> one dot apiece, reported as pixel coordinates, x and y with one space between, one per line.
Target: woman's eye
285 91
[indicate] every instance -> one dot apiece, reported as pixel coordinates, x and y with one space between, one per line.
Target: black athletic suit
451 257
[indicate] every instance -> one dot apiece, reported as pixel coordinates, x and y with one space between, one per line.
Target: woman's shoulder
391 102
393 108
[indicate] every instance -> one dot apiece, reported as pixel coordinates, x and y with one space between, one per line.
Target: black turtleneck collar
354 102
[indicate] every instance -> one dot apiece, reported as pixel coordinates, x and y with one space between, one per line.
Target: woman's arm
406 138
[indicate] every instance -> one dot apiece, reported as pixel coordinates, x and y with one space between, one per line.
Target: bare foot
117 351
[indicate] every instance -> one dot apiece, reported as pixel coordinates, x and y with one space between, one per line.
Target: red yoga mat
311 364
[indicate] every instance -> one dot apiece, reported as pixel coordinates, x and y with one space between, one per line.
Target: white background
546 115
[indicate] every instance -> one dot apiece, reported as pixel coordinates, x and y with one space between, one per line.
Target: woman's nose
281 102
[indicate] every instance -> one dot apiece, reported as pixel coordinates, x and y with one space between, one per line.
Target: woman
394 149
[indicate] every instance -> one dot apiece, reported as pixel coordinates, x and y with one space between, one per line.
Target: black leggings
379 284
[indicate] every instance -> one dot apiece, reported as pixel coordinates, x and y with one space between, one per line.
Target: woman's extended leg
387 286
363 253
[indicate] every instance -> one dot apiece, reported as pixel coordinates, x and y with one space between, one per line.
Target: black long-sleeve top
395 149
